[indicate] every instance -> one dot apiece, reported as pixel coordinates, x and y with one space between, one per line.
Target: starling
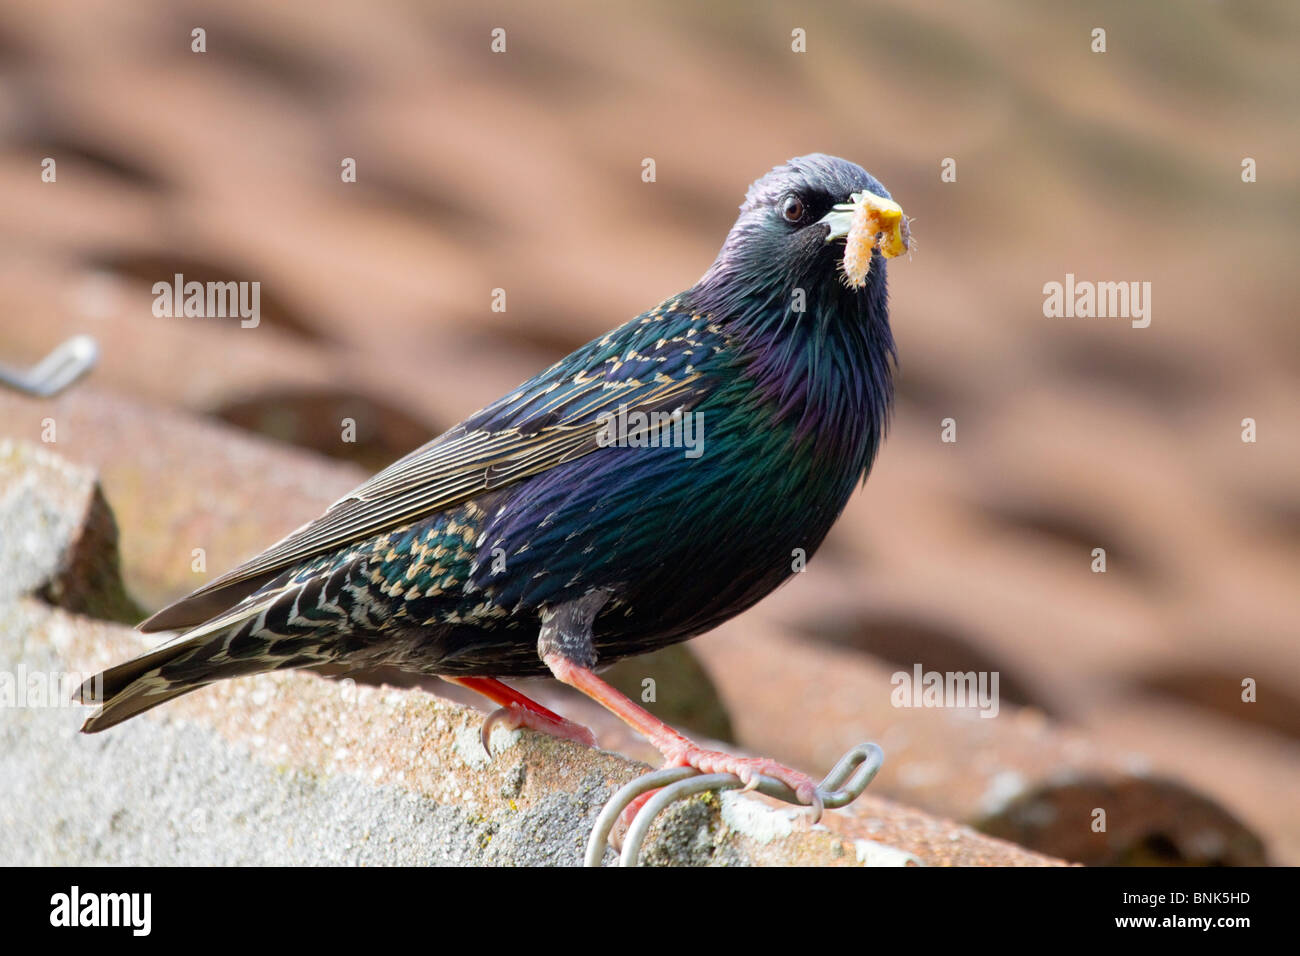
651 485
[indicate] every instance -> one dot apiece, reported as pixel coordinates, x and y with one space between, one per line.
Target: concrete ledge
303 770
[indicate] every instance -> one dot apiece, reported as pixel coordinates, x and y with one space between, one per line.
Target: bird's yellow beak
868 222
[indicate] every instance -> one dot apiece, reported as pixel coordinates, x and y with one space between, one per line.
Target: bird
565 526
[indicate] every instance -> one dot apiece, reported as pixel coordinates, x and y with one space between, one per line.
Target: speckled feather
445 562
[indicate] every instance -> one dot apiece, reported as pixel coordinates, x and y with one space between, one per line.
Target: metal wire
845 783
69 360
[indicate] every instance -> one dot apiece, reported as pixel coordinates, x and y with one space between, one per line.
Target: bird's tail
194 659
134 687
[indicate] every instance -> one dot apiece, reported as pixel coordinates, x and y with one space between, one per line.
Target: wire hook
69 360
845 783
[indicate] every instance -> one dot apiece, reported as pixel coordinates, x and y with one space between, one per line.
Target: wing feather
555 418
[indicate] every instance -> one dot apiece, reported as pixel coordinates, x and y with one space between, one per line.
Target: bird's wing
647 366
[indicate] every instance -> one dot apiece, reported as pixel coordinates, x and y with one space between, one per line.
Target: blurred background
522 171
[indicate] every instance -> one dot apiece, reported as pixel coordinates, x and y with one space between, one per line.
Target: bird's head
800 287
817 223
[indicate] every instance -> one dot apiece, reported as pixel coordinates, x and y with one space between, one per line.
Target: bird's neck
825 371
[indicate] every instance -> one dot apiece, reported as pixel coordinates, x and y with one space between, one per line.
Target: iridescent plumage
448 561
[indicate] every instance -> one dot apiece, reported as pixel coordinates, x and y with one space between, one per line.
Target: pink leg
679 751
517 711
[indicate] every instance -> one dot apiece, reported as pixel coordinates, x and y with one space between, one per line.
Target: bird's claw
817 803
649 794
512 716
485 733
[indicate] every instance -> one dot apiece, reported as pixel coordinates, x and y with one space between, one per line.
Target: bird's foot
512 716
518 710
747 769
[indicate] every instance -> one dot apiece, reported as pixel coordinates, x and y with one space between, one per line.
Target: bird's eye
792 208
